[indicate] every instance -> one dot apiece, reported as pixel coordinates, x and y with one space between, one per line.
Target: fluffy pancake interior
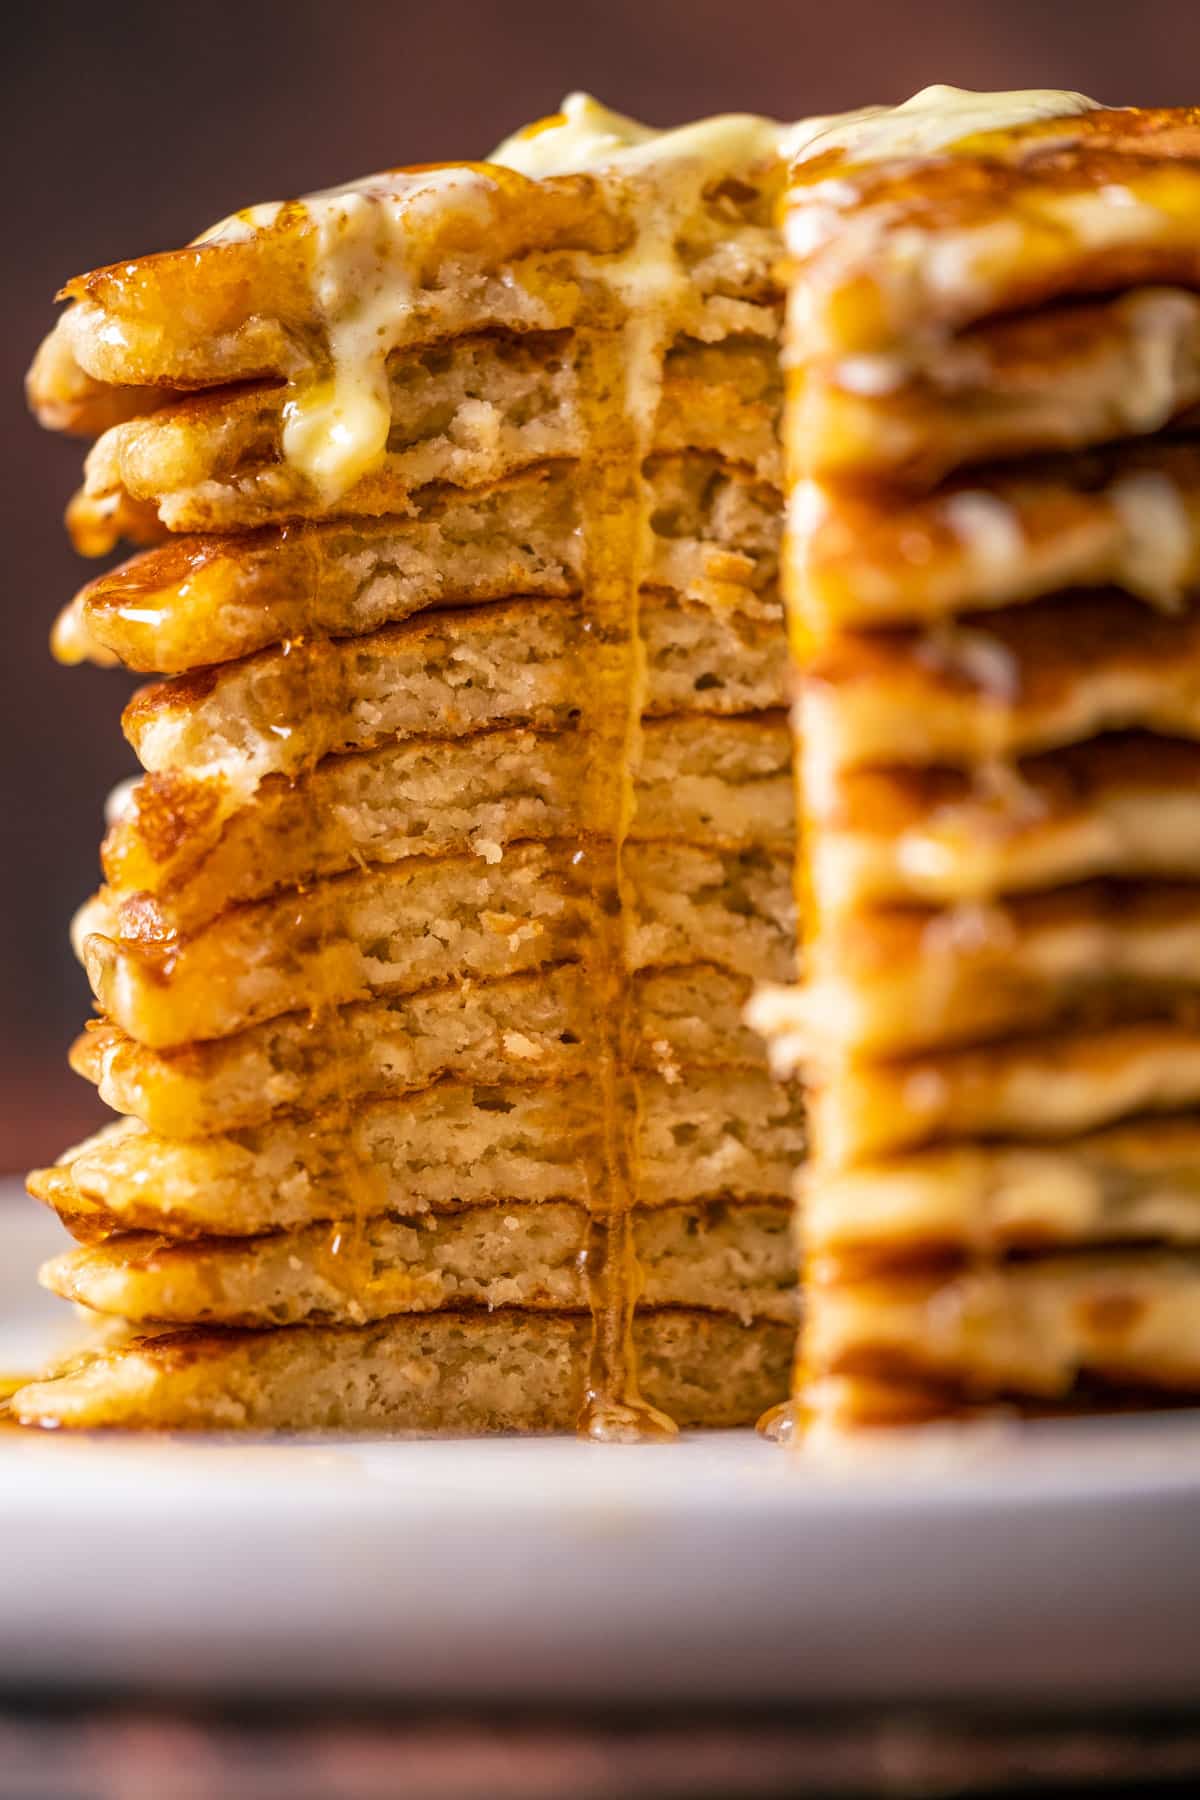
733 1258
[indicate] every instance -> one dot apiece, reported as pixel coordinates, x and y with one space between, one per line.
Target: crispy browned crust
884 559
200 599
1000 203
1003 684
1061 377
1120 1319
240 308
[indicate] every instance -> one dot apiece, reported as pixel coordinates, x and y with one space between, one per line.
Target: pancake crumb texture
465 825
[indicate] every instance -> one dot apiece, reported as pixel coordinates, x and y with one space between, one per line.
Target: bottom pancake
1047 1332
443 1372
727 1257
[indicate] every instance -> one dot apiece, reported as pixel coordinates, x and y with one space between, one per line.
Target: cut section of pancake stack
466 820
994 344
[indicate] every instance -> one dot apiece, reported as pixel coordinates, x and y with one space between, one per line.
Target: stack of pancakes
466 820
994 343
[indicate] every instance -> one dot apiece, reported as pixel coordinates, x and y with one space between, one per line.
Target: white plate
1051 1562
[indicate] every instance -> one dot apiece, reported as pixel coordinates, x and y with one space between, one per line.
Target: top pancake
893 245
483 247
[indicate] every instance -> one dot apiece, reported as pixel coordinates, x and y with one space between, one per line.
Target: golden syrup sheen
611 686
345 1259
636 301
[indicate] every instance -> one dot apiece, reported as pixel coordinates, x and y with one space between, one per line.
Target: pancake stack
994 577
465 824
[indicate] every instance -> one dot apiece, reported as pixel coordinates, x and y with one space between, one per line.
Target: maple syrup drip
782 1423
615 527
614 1411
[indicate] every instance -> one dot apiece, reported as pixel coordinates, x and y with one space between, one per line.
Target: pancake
992 579
202 600
357 934
1127 516
451 673
713 660
239 304
1038 1330
729 1258
528 1027
1135 1182
442 1372
432 253
67 399
1037 1088
889 982
1125 804
423 921
1062 377
467 817
1001 685
469 411
908 229
715 781
423 796
721 1134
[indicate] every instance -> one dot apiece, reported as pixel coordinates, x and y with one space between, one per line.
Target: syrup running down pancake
466 822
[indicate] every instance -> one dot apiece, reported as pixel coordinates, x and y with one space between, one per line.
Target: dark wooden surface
103 1752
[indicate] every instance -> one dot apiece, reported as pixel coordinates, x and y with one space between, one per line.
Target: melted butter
371 238
585 137
617 371
931 122
368 242
243 224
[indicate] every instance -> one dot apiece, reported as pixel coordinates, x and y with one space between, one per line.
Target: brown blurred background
131 126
